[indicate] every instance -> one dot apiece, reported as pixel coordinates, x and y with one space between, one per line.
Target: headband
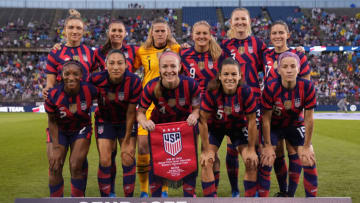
169 53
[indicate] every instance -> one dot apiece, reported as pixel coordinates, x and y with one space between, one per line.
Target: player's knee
143 147
250 172
76 168
105 161
127 159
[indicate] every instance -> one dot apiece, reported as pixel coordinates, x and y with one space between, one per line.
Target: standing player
342 104
158 40
284 100
115 120
279 33
176 98
248 51
116 34
200 63
228 108
72 50
69 125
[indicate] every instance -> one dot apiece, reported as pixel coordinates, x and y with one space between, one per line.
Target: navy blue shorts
294 135
67 138
113 131
237 136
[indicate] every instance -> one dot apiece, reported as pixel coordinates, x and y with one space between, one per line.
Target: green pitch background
24 169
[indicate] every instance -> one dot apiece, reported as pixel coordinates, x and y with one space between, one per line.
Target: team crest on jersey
237 108
126 55
250 49
111 96
172 141
76 58
201 65
83 105
287 104
210 64
241 50
72 108
100 129
297 102
275 65
182 101
172 102
121 96
228 110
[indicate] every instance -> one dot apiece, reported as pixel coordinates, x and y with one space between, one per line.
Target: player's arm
249 154
195 114
55 159
306 152
127 150
206 154
267 153
50 82
130 120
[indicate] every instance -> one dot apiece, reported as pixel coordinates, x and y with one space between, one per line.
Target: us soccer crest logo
172 142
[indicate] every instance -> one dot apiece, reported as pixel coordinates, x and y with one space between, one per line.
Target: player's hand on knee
127 153
267 156
307 155
250 158
207 158
56 159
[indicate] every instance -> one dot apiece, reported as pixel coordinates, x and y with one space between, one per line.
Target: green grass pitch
24 169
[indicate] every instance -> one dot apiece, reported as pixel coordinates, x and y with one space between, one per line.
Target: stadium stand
335 74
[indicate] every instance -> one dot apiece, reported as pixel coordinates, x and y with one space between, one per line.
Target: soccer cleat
281 194
112 194
144 195
235 194
164 194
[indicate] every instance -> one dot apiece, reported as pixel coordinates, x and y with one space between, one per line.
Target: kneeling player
284 100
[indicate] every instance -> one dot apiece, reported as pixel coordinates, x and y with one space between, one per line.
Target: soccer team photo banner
173 150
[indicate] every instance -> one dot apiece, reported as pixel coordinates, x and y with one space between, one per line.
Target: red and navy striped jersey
128 50
72 112
83 54
113 100
249 53
229 111
174 104
270 64
288 105
198 66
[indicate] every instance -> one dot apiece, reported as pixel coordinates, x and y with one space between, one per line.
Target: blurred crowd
22 77
335 74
